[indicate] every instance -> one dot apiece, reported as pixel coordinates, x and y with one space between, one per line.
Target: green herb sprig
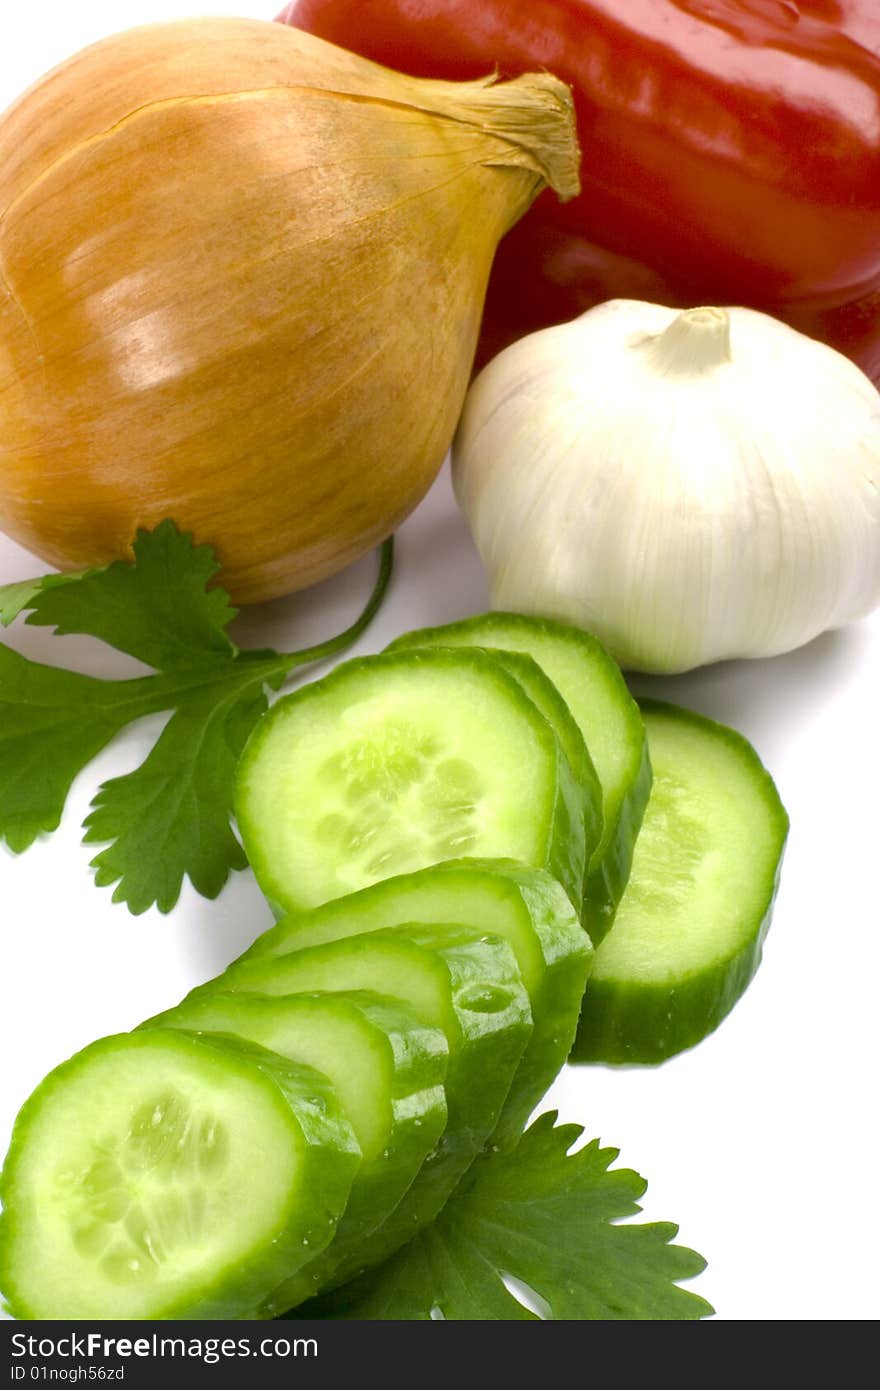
548 1218
170 818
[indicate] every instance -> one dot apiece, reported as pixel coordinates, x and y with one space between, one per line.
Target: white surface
763 1141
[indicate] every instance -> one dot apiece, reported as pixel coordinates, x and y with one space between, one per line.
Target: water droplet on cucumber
484 999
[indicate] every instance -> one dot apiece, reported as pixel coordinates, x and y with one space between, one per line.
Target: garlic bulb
689 486
241 278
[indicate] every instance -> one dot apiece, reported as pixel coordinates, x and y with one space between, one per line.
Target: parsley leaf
172 814
545 1218
15 598
158 609
52 723
170 818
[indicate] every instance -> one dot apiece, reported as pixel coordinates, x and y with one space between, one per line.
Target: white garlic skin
690 495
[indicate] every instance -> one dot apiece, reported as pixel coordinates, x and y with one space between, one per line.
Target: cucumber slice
545 696
595 692
386 1067
398 761
525 907
162 1175
689 930
454 978
547 699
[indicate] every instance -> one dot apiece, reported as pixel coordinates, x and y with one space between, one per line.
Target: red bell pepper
731 150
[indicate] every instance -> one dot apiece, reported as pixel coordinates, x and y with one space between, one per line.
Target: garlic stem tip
696 340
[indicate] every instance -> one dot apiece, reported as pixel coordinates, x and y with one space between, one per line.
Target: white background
763 1141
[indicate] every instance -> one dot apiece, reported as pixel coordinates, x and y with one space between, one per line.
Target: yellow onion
241 278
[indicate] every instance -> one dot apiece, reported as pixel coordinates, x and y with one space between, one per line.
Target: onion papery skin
241 279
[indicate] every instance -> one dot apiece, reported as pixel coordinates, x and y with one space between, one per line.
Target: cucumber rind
548 701
560 848
326 1160
415 1061
608 873
566 957
645 1022
553 952
612 1031
468 963
414 1056
490 1021
624 795
546 697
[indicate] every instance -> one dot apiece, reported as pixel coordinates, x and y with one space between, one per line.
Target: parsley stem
344 639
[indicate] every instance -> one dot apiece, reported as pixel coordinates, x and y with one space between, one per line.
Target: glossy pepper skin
731 150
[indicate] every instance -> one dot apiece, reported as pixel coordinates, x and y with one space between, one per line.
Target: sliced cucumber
595 692
547 699
689 929
162 1175
398 761
454 978
544 694
387 1069
526 907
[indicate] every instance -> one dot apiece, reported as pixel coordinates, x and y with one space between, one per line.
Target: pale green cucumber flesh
526 907
386 1067
398 761
591 685
126 1162
689 930
463 981
337 1034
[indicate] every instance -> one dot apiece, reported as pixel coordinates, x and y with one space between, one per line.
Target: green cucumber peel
387 1069
592 688
526 906
394 762
690 928
125 1163
553 1220
455 977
